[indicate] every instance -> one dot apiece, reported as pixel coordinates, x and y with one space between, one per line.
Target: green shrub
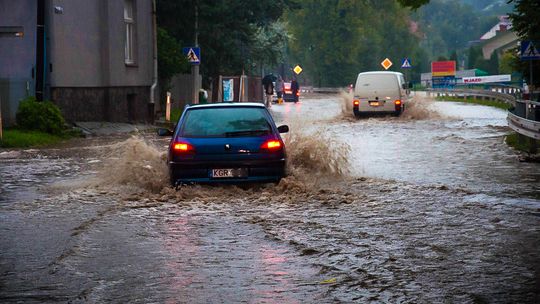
40 116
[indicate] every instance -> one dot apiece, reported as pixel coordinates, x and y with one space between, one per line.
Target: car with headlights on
226 143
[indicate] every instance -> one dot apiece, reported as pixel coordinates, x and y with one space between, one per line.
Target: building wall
89 78
119 104
17 55
87 44
504 40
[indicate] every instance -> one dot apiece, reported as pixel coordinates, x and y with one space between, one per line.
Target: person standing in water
279 89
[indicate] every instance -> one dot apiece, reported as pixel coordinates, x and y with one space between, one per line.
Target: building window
129 21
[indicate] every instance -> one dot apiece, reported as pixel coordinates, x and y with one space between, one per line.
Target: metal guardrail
464 93
524 118
328 90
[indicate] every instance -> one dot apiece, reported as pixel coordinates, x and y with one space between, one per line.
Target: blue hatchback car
226 143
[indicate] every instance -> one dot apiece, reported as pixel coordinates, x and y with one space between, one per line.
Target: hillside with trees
334 40
331 40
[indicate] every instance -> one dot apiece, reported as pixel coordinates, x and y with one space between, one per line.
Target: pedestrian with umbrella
268 84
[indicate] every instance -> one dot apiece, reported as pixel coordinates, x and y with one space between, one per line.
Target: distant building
92 58
503 25
499 38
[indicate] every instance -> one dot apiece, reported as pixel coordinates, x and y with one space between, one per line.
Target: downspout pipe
155 62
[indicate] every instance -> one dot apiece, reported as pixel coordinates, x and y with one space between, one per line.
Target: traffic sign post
297 69
406 63
193 54
530 50
386 63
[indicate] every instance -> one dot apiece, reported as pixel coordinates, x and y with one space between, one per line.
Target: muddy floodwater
430 207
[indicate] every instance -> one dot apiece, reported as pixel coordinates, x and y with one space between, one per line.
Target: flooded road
431 207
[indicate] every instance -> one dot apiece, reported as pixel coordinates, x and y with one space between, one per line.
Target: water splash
134 163
418 107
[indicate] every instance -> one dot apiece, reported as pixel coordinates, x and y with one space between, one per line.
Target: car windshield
225 122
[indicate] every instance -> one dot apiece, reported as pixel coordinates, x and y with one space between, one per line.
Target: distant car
380 92
288 93
226 143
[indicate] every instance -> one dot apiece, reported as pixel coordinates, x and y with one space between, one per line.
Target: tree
414 4
270 44
473 55
454 56
171 60
526 22
335 40
526 18
450 25
508 61
228 31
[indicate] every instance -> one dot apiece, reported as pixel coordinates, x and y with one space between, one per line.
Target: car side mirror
410 85
283 129
164 132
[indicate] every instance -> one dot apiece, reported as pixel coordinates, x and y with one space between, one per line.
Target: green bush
40 116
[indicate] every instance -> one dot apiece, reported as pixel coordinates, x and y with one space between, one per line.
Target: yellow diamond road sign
386 63
297 69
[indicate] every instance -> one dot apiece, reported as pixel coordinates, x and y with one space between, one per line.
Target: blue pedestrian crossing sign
193 54
406 64
530 50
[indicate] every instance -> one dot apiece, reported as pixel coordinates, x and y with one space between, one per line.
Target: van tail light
272 145
397 104
183 148
356 102
297 93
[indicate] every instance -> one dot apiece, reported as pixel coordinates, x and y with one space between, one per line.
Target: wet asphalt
431 207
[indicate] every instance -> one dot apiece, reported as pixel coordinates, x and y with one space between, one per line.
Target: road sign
297 69
406 64
386 63
530 50
193 54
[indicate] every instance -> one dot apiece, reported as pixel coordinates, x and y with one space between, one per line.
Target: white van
380 92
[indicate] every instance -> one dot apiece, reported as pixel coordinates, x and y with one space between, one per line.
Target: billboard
228 90
443 68
487 79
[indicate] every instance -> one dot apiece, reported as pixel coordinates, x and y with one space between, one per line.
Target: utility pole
195 67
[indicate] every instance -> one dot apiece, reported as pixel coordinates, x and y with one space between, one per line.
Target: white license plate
374 103
224 173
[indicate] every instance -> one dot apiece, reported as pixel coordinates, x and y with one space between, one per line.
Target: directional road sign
193 54
530 50
406 63
386 63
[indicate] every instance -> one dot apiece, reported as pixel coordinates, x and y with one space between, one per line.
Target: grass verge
522 144
15 138
175 115
490 103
